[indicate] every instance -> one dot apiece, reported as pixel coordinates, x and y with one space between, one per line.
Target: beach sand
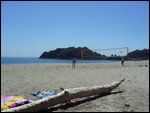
25 79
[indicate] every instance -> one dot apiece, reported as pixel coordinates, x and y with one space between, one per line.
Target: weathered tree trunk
65 95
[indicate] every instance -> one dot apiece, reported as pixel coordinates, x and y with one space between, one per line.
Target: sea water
32 60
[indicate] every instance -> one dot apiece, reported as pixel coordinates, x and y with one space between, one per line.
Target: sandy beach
24 79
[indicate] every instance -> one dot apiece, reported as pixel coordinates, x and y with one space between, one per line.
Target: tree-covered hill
70 52
139 54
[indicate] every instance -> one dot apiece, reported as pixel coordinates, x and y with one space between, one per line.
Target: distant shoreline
36 60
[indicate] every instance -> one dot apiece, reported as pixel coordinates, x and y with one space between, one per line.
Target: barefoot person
73 62
122 61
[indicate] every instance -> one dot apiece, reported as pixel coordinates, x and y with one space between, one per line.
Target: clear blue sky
30 28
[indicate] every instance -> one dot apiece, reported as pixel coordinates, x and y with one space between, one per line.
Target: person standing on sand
122 61
73 62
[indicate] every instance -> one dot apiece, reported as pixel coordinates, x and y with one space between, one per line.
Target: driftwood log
65 95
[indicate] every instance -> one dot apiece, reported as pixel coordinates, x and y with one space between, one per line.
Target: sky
28 28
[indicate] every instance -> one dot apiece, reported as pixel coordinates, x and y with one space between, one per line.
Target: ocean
33 60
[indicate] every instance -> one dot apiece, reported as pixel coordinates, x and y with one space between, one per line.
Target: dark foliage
139 54
70 52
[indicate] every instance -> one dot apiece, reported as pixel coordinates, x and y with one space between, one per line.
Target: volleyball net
103 53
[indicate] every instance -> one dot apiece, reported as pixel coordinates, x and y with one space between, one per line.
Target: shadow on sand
66 106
